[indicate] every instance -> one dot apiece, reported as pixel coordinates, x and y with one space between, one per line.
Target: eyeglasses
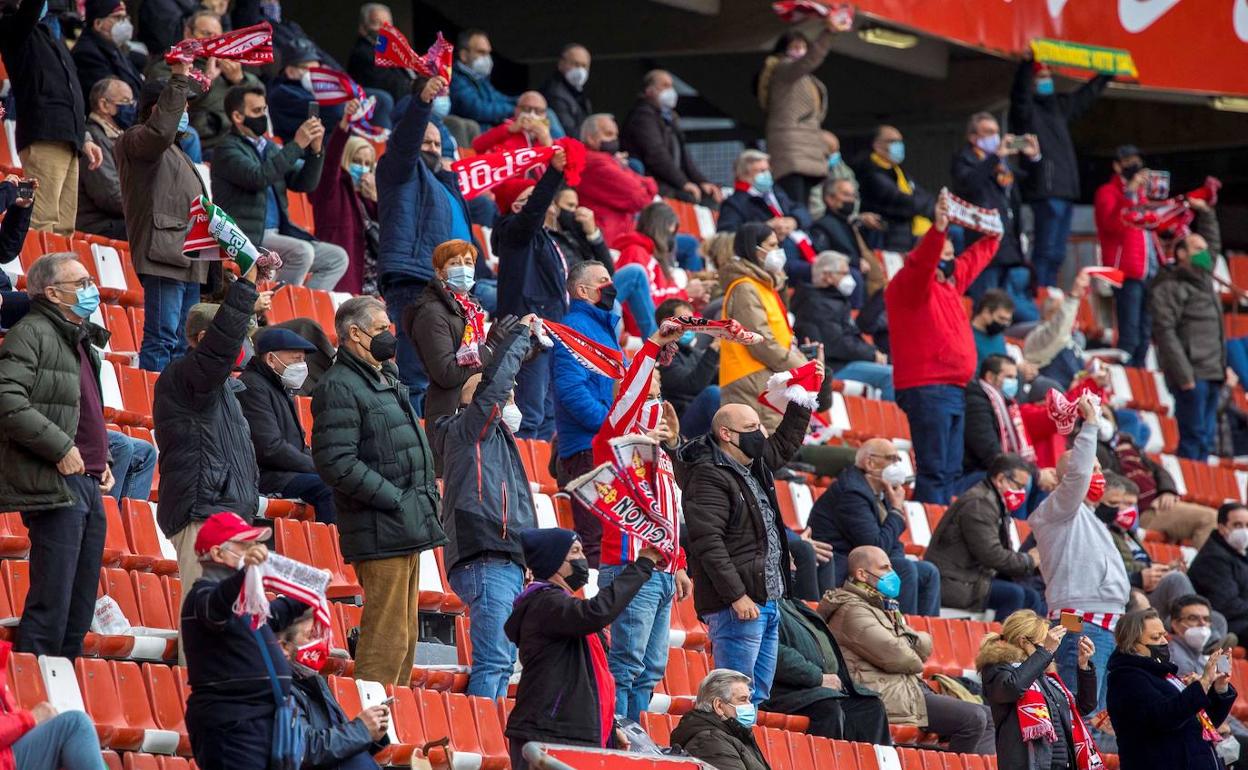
893 458
85 283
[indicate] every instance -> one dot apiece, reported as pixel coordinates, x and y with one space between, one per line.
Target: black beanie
545 550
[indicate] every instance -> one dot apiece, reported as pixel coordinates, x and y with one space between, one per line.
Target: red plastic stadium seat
325 555
135 761
168 707
16 576
25 680
14 540
103 702
140 526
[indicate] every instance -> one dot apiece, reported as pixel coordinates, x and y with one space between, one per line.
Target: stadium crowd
432 382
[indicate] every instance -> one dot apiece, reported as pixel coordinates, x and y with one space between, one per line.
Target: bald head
876 447
531 103
867 559
729 423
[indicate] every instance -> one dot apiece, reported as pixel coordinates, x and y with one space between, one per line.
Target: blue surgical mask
184 123
441 106
989 144
834 160
460 278
1044 86
688 337
357 172
1009 387
762 181
87 301
889 584
747 714
126 114
897 151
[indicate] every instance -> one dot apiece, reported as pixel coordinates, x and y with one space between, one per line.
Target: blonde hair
354 143
718 249
1008 642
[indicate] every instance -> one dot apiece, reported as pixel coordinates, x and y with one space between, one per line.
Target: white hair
718 684
830 262
44 272
747 159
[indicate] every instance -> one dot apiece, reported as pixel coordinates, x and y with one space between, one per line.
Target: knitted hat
507 192
545 550
102 9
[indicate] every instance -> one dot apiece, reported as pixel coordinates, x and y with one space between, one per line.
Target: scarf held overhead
483 172
213 229
331 87
248 46
393 50
1036 723
982 220
285 577
591 355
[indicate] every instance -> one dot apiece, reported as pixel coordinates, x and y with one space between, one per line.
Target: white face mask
846 285
1238 539
577 77
294 375
1106 430
1197 637
512 417
894 474
306 82
122 32
483 65
667 98
773 261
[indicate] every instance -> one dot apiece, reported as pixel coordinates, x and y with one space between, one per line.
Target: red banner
1177 45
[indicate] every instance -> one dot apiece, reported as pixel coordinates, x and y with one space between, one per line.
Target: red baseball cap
220 528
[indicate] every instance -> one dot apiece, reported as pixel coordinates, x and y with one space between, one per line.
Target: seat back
99 692
25 680
347 695
163 695
405 715
16 574
135 705
153 609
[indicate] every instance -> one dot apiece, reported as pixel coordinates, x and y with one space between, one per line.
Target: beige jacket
796 105
1046 340
881 651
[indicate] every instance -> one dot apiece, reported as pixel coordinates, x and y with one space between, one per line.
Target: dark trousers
587 525
411 370
310 488
810 578
1135 325
968 726
536 398
1006 597
242 745
1052 218
798 186
1196 411
66 548
936 414
853 718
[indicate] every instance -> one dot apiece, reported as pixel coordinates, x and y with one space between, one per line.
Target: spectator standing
344 204
51 125
652 134
1133 250
250 178
487 504
566 695
1220 569
718 731
904 206
994 424
756 199
565 88
979 568
738 554
211 467
103 48
271 378
473 96
1053 187
689 381
56 445
935 359
361 62
1187 327
886 655
528 127
1038 722
839 228
1160 721
752 283
609 187
158 185
866 506
100 210
41 738
368 446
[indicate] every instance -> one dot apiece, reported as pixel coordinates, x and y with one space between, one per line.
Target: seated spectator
886 655
840 228
113 110
473 96
904 206
653 246
837 169
528 127
160 22
276 371
866 506
1220 570
289 94
718 731
1050 345
448 328
133 463
652 134
993 423
1191 634
991 316
561 645
756 199
812 680
43 738
230 709
751 283
330 739
609 187
979 568
565 88
1133 250
344 204
824 315
576 232
689 380
103 48
250 178
361 62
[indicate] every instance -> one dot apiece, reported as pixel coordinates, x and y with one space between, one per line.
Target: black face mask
580 574
433 161
383 345
994 328
611 146
567 221
1130 170
947 267
1106 513
256 124
845 209
606 298
1159 652
752 443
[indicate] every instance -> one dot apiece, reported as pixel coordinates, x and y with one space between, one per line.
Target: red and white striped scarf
1105 620
1010 425
286 577
804 244
1035 723
469 352
594 356
1207 730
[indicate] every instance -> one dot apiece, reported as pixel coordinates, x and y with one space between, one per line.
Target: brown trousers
55 165
389 626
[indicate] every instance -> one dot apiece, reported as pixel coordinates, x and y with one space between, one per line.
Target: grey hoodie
1081 566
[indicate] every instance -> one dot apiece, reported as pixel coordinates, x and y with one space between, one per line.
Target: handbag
289 739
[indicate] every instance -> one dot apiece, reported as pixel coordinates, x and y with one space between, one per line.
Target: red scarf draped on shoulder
469 352
1013 432
1035 723
606 685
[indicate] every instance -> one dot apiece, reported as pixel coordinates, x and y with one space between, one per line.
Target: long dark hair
656 222
749 237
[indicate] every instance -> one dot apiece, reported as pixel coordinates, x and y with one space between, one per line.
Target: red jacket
499 138
1122 245
931 335
637 249
14 722
614 192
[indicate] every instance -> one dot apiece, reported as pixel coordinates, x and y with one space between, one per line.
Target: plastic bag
109 619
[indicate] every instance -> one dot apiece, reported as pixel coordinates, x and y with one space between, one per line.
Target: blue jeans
632 289
1067 659
747 646
134 463
1006 597
936 415
992 277
1236 356
920 587
1052 220
488 586
1135 325
696 420
66 741
876 375
639 635
411 370
165 305
536 397
1197 413
310 488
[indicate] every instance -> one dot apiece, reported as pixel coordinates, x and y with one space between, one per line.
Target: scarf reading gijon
1035 723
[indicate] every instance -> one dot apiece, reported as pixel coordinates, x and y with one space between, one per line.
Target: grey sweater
1081 566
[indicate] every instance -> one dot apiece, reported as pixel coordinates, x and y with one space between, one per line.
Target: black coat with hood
278 437
823 315
1220 574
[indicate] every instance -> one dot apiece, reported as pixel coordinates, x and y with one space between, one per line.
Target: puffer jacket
211 465
369 448
797 103
475 98
1187 326
333 741
486 500
276 433
40 389
724 744
582 397
881 651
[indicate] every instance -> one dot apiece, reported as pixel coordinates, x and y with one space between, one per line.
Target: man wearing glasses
54 446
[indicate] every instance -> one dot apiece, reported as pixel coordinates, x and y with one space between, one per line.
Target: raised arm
149 139
1063 504
209 364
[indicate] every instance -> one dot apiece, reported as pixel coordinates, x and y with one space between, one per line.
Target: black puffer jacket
207 463
281 447
369 448
333 741
823 315
50 105
722 743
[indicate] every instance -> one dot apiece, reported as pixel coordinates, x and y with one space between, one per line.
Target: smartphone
386 702
810 351
314 109
1016 144
26 189
1071 622
1224 664
1157 185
